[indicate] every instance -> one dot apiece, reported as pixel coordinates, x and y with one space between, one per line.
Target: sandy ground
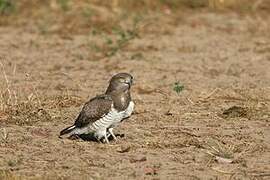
216 128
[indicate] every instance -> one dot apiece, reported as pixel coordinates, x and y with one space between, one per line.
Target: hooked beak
131 82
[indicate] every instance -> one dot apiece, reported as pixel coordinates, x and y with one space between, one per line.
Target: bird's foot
104 140
111 133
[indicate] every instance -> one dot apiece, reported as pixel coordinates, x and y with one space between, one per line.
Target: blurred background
126 18
82 16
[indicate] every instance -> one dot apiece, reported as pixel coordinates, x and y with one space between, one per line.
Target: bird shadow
91 137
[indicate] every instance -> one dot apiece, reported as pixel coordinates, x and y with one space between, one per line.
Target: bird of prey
104 112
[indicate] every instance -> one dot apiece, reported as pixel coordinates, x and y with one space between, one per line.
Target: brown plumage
104 112
93 110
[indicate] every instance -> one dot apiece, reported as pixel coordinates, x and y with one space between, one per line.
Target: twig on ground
221 171
189 100
4 135
211 93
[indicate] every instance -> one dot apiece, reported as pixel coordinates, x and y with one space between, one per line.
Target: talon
106 139
111 132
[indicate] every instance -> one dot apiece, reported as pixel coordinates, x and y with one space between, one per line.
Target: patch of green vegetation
124 36
87 12
195 3
6 6
11 163
114 41
184 3
137 56
122 39
178 87
64 4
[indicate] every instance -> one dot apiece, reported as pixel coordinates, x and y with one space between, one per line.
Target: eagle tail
67 130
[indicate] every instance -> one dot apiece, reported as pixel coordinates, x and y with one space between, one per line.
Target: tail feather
67 130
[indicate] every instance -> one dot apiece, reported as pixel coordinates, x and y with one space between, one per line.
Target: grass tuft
7 175
178 87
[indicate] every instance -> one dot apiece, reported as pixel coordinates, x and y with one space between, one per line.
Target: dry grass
221 152
30 112
8 175
5 175
28 107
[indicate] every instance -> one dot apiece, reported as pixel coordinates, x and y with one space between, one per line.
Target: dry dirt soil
217 127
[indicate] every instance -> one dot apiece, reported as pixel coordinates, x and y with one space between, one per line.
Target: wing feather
93 110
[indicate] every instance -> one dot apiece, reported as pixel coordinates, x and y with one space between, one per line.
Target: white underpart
124 114
129 110
110 120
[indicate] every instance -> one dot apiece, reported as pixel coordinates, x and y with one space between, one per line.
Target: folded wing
93 110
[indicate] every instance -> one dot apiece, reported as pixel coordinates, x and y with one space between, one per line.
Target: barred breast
100 126
123 114
112 119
